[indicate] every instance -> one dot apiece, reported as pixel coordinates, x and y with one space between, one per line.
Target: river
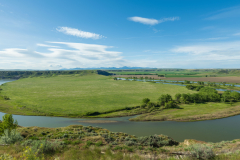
210 131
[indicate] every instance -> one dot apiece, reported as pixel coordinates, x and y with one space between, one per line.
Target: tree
146 100
8 123
235 96
177 97
164 98
227 95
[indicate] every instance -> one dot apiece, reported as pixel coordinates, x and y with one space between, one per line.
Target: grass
193 112
92 145
75 95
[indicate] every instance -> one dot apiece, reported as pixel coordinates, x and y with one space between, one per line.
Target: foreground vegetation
89 143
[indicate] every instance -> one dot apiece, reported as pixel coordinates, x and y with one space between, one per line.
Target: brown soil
205 79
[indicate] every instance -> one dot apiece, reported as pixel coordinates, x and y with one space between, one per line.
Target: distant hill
108 68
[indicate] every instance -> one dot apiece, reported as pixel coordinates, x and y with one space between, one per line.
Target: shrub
10 137
43 146
171 104
177 96
89 143
201 151
145 100
8 123
156 141
99 143
6 157
30 154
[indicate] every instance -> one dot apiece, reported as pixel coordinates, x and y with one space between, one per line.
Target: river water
210 131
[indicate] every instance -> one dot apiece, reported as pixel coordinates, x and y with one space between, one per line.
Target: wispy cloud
78 33
237 34
78 55
225 13
151 21
211 51
210 39
45 45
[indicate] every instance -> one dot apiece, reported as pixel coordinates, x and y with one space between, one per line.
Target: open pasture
74 95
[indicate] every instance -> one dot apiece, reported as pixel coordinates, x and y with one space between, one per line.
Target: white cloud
78 33
237 34
225 13
76 55
150 21
45 45
211 51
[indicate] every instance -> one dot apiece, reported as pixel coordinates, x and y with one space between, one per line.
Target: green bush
156 141
146 100
10 137
8 123
99 143
43 146
201 151
171 104
6 157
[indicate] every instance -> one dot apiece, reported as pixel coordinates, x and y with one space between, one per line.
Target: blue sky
54 34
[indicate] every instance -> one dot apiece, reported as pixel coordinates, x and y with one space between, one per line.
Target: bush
200 151
146 100
6 157
7 123
10 137
171 104
43 146
156 141
99 143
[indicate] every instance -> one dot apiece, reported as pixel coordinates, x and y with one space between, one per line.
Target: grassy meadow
193 112
75 95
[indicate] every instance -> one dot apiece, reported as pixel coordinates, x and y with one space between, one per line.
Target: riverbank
87 143
193 112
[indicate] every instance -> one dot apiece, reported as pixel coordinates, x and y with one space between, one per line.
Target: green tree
146 100
177 97
235 96
164 98
8 123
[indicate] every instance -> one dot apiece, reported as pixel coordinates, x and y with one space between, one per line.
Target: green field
193 112
74 95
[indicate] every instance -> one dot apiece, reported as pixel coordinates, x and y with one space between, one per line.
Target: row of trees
205 94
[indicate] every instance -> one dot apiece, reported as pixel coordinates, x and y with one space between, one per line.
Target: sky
58 34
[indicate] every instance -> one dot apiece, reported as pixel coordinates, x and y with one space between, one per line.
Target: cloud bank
57 56
150 21
78 33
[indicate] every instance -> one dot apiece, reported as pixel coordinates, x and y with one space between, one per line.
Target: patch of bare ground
138 76
205 79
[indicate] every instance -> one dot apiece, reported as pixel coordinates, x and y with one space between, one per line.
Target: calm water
211 131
